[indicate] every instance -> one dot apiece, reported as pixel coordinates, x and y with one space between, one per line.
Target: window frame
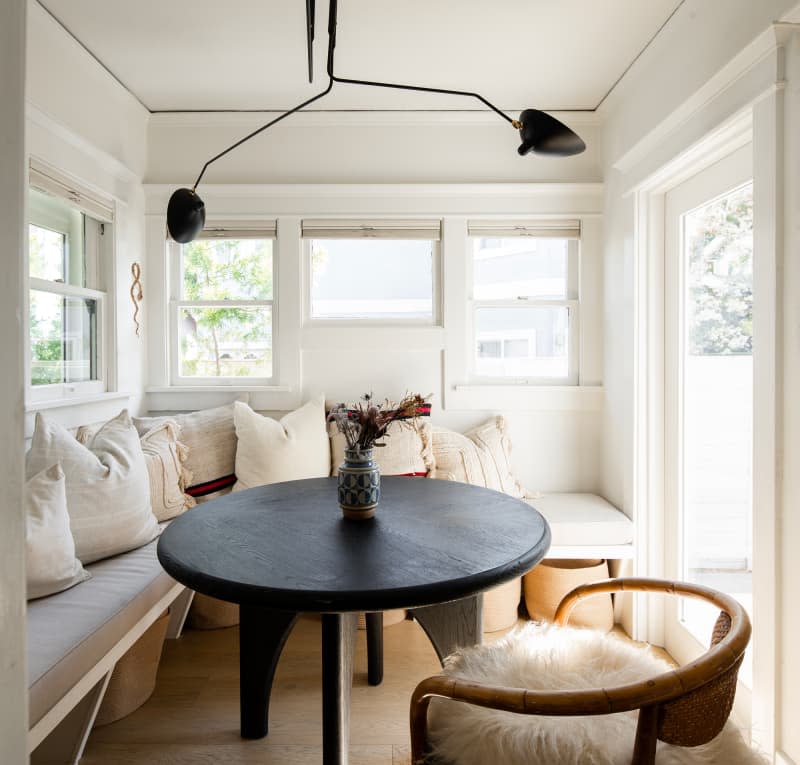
374 229
571 302
97 215
263 230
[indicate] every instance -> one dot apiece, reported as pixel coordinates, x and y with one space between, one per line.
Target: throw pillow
165 457
108 494
210 437
271 451
50 562
482 456
407 449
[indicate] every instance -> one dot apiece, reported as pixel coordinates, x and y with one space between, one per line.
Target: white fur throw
545 657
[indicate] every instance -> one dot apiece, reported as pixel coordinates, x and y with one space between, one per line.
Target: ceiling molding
352 118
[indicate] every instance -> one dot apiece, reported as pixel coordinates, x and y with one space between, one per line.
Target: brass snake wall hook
136 293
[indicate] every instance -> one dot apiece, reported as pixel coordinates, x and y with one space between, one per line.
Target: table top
287 546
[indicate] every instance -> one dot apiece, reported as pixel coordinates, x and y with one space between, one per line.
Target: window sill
583 398
221 389
193 397
56 403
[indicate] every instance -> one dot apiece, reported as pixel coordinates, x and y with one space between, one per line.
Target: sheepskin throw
544 657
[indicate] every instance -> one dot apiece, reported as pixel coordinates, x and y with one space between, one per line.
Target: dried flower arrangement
365 424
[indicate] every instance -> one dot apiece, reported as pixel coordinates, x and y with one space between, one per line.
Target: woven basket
393 616
134 676
209 613
547 584
501 606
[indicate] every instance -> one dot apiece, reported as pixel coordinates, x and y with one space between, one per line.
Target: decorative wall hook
136 293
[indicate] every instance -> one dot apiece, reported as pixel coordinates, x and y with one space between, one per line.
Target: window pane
63 339
718 403
56 240
225 342
371 279
522 342
509 268
227 269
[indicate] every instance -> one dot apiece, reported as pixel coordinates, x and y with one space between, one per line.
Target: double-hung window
524 306
222 301
70 250
377 271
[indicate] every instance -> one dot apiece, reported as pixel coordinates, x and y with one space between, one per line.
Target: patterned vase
359 484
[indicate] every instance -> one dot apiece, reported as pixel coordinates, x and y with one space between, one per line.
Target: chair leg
644 747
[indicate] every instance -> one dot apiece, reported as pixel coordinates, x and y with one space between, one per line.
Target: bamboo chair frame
686 706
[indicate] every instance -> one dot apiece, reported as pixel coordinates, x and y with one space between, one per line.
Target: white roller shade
51 182
560 229
373 229
264 230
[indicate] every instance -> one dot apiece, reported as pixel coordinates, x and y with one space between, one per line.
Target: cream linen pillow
407 449
481 456
271 451
108 493
50 561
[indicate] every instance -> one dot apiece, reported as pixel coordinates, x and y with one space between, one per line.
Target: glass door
709 398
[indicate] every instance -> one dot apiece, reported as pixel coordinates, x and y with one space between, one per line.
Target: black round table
281 550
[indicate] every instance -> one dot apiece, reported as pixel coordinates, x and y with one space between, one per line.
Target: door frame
757 124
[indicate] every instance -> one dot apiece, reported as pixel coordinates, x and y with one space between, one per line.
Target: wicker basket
209 613
134 676
547 584
393 616
501 606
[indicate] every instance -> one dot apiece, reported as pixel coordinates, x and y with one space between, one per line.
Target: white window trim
365 228
48 180
570 230
221 230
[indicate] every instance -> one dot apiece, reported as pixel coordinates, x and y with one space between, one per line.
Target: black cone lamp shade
186 215
543 134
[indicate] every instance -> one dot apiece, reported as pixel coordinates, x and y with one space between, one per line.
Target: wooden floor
193 716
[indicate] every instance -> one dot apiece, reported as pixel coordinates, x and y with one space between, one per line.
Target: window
69 249
382 271
524 302
222 307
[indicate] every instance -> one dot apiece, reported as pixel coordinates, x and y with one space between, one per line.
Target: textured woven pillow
408 449
108 494
50 562
480 457
271 451
166 456
549 658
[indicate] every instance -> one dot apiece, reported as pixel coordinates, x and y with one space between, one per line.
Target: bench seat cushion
68 633
583 519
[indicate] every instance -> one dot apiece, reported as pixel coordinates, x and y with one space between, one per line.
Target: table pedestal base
452 625
338 647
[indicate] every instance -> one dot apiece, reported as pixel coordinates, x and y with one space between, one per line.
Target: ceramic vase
359 484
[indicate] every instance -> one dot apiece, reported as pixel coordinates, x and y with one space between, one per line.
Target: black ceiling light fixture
541 133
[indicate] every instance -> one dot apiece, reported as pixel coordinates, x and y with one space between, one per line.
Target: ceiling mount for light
541 133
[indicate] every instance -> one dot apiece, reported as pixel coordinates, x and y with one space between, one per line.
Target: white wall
710 64
81 122
13 679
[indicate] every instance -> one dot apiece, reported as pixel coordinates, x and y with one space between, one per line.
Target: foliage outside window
719 242
225 311
524 308
65 300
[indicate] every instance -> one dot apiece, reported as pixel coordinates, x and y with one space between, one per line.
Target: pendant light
541 133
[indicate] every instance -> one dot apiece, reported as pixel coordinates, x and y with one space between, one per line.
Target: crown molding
350 118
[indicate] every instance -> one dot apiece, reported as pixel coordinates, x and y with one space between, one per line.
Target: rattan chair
686 706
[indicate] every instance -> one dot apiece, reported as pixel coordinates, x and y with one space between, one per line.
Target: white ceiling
206 55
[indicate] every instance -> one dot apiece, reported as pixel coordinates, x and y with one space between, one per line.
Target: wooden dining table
285 549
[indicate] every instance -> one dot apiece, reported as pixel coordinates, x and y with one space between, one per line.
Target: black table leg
452 625
374 647
338 644
262 635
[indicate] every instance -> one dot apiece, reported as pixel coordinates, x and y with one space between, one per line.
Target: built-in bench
76 637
